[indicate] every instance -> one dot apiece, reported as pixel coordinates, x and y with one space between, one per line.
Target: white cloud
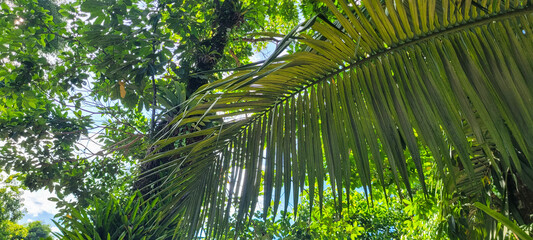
37 202
55 229
29 220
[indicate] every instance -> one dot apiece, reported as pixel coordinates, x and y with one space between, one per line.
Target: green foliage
361 219
379 79
12 210
11 207
41 118
31 231
38 231
383 216
64 66
112 218
425 220
347 108
12 231
503 220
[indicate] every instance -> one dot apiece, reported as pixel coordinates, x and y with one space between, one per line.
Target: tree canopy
156 108
85 83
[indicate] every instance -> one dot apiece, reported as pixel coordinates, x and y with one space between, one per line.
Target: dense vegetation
12 210
370 119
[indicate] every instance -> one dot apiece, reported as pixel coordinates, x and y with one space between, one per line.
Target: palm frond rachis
402 71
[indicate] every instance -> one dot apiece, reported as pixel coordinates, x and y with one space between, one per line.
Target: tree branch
262 39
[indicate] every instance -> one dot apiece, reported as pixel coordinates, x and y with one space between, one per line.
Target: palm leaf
393 71
505 221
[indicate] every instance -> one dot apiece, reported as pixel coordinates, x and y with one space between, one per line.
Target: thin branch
72 106
154 103
125 146
235 58
262 39
154 86
65 133
50 31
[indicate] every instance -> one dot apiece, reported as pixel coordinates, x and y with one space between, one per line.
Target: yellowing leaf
122 89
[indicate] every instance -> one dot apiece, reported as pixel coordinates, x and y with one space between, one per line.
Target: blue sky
39 208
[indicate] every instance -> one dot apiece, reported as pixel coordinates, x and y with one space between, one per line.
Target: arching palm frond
394 72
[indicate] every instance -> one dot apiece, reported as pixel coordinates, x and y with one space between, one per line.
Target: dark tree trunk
228 16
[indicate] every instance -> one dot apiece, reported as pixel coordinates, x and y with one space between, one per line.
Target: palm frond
395 72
